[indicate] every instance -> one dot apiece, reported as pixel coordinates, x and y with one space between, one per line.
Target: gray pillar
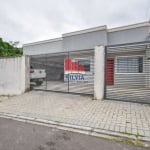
99 72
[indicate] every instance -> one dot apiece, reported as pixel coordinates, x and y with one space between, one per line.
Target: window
85 63
130 64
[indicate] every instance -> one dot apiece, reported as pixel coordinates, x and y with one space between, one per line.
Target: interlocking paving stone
110 115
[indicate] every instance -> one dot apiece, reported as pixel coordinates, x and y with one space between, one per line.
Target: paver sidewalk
117 116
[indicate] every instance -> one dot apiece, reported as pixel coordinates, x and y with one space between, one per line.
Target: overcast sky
33 20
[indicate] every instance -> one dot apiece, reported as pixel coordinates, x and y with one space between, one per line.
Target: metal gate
128 72
70 72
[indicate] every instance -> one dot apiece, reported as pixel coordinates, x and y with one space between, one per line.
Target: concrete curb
74 128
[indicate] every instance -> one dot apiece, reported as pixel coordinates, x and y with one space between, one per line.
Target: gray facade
128 35
85 41
89 38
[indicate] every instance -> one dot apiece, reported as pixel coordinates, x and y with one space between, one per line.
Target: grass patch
126 133
130 134
132 142
125 141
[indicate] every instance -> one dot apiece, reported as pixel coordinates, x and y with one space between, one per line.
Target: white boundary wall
14 75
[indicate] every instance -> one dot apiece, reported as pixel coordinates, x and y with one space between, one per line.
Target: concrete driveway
110 116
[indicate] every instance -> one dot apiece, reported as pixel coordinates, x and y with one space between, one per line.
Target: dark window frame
126 60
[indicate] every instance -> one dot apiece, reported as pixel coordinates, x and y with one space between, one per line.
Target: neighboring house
126 63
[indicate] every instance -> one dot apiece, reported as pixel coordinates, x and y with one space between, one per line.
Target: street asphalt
16 135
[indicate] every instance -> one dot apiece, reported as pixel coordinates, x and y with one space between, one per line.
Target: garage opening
70 72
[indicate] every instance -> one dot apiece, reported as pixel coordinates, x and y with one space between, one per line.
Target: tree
7 49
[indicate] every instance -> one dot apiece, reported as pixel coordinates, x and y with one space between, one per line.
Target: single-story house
127 48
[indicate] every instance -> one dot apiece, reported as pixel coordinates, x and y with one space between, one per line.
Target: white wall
14 75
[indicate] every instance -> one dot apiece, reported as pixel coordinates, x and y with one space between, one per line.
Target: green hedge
7 50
